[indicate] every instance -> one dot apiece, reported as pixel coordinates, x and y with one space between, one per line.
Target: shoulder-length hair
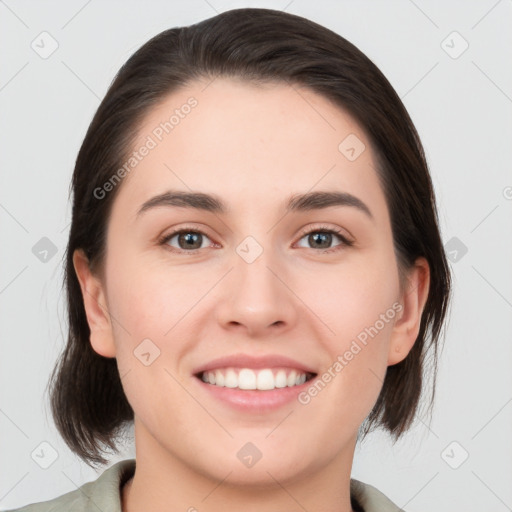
88 403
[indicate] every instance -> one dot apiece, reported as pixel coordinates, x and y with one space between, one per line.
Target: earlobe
407 325
95 305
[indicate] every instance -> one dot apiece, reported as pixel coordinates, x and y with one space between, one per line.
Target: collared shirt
104 494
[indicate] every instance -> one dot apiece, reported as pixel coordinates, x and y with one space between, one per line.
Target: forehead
250 142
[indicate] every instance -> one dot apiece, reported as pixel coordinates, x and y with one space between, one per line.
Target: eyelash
322 229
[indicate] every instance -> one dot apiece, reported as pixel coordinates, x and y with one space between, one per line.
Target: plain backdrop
450 64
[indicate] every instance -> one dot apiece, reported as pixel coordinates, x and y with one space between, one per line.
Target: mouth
253 384
262 379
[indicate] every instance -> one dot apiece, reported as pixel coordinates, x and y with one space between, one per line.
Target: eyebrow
212 203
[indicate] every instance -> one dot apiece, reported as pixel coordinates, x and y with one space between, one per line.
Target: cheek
149 300
352 297
149 309
358 305
153 306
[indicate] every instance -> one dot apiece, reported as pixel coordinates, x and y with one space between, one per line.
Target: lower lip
255 400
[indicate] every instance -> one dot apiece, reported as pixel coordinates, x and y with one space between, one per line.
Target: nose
257 298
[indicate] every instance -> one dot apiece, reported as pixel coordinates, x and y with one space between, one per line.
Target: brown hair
257 45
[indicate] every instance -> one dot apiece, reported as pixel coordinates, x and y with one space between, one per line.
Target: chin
261 464
265 474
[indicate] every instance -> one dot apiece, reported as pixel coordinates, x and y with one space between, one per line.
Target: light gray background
462 109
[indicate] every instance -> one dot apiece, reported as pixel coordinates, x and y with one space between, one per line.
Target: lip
253 401
254 363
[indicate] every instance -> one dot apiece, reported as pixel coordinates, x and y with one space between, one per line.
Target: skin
252 146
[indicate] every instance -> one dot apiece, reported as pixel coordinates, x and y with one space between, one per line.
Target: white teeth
231 380
280 380
264 379
219 379
246 379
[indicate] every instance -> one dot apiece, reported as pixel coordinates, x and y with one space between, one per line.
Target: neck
164 481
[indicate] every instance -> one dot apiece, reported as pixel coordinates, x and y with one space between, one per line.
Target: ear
95 304
413 299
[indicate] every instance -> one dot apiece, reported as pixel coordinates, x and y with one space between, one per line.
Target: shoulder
371 499
100 494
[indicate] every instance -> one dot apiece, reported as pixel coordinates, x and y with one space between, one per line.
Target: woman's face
247 281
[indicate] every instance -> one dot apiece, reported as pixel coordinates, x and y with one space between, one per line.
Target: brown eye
322 238
187 240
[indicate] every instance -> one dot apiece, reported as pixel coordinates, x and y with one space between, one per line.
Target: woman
255 274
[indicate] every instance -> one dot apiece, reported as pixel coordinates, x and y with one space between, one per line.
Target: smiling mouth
264 379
